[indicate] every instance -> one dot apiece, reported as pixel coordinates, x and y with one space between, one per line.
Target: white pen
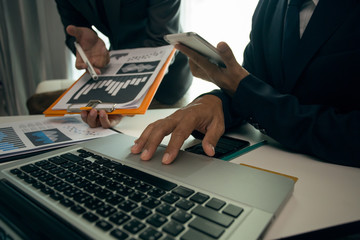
90 68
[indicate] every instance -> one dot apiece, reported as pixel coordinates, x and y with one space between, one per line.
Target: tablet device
197 43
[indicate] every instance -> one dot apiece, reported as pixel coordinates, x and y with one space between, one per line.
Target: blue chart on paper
9 140
48 136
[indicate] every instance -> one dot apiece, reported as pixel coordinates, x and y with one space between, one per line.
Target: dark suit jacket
313 106
133 24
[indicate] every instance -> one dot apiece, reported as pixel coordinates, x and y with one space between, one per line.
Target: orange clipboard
49 112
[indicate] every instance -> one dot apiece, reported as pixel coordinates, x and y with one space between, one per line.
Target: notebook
99 190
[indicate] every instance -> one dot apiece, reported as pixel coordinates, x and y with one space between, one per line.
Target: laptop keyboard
125 202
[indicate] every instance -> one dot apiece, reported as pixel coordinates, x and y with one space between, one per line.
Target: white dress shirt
306 12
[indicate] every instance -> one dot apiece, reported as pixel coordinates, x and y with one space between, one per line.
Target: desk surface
325 194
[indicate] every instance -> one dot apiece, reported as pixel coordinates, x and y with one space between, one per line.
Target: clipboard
94 103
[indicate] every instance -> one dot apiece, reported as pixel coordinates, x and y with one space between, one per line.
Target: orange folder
140 110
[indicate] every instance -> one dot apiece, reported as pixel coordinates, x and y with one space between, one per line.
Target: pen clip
90 105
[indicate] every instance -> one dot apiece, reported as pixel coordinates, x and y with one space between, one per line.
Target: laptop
99 190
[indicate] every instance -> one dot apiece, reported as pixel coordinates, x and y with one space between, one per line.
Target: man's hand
93 47
204 114
227 78
93 119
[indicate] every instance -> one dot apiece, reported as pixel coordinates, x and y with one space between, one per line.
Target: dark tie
291 35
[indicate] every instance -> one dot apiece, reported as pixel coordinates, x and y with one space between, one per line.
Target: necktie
291 35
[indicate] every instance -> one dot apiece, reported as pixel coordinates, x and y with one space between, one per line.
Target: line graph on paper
9 140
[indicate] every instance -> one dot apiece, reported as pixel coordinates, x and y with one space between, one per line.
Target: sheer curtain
32 49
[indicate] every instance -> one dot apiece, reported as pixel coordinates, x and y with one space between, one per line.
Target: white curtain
32 49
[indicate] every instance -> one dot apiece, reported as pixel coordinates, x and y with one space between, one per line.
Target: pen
90 68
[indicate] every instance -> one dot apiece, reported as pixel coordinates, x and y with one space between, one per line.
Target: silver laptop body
207 198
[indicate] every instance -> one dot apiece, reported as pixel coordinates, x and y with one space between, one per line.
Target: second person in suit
310 103
127 24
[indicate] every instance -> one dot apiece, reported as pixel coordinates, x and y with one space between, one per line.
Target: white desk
325 194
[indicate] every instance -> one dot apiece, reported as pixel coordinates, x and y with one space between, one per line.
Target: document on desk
25 137
126 85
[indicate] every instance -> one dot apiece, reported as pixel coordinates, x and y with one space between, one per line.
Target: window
214 20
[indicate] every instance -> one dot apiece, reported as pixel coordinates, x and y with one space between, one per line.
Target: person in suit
308 101
127 24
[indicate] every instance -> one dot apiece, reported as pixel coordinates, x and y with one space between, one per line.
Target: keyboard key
184 204
72 157
192 234
143 187
82 197
71 191
118 234
148 178
102 193
165 209
113 185
141 212
124 190
169 238
151 202
114 199
183 191
29 168
134 226
156 192
212 215
47 190
170 198
207 227
150 234
94 203
215 203
57 160
156 220
78 209
56 196
66 202
127 205
137 196
90 217
106 210
131 182
119 218
199 198
181 216
233 210
104 225
15 171
173 228
38 185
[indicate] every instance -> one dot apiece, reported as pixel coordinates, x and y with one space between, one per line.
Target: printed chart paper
30 136
123 84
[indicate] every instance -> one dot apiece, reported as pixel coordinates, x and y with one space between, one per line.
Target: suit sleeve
164 18
312 129
70 16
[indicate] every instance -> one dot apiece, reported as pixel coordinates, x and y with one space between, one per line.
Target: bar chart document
17 138
128 82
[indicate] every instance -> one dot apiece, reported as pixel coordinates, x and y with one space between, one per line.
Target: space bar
148 178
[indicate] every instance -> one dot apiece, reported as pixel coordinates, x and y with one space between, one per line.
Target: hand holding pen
91 50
